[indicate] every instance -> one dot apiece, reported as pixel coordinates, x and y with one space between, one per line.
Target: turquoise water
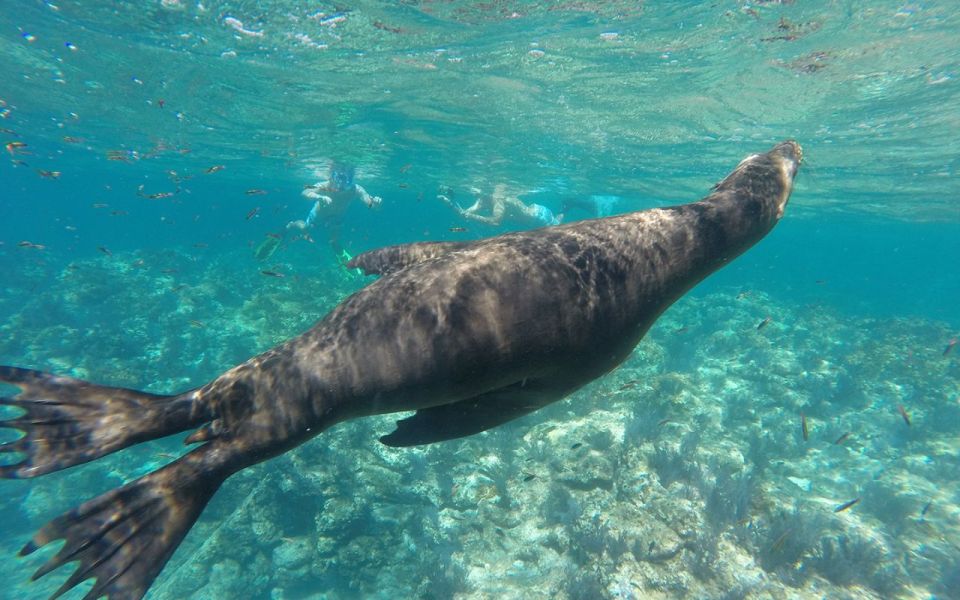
682 474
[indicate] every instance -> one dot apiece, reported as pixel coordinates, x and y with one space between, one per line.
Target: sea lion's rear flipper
68 421
470 416
124 537
390 259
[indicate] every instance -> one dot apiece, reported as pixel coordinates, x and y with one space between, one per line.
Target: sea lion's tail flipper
69 421
124 537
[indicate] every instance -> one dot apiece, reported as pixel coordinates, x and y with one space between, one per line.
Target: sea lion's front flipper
389 259
124 537
470 416
70 421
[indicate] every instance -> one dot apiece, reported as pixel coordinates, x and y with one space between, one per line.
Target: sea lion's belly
486 318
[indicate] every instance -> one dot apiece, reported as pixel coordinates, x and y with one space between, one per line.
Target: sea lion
470 335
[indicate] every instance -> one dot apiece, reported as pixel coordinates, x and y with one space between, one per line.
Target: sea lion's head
766 178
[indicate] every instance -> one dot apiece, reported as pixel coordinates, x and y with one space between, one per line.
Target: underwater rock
292 553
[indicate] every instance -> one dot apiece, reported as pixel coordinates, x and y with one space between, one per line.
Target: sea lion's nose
789 150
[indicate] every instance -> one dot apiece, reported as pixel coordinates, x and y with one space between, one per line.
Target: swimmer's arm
492 220
468 213
366 198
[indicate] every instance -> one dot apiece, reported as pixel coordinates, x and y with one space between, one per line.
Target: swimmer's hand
446 200
375 202
320 198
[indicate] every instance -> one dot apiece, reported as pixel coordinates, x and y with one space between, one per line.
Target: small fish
15 147
403 185
405 167
214 169
105 250
26 244
743 294
778 543
663 422
273 274
72 140
577 445
177 288
119 213
846 505
628 385
842 439
197 324
529 477
950 346
903 413
122 155
764 323
161 102
384 27
138 263
803 427
159 195
201 245
926 507
48 174
99 205
821 282
168 271
458 229
275 236
253 212
255 192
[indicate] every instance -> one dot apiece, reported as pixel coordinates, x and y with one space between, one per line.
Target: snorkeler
501 206
331 199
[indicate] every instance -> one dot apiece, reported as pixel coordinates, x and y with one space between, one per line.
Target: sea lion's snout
791 155
787 156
